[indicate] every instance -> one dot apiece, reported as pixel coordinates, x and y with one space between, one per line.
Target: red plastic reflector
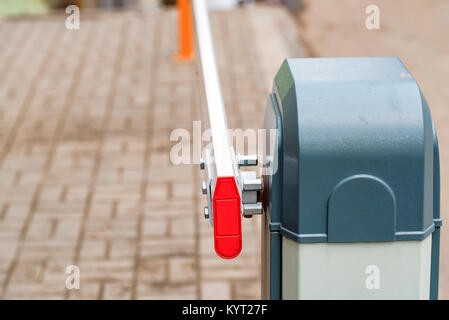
227 218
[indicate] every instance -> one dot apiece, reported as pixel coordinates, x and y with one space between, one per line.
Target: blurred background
86 117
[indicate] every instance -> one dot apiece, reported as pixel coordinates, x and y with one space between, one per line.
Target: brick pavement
84 165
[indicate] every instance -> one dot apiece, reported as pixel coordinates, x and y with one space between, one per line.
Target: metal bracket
230 192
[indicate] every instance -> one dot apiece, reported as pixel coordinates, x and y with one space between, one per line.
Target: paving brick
246 290
216 290
120 290
106 270
154 270
89 290
121 249
94 250
240 268
155 228
182 270
168 247
153 292
158 191
182 227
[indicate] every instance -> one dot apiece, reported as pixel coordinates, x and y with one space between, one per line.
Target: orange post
185 31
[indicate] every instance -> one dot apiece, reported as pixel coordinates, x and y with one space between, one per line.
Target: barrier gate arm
230 192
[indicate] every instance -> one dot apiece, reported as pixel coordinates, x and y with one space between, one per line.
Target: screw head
204 187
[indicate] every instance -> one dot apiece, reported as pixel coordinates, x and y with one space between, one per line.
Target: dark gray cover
358 151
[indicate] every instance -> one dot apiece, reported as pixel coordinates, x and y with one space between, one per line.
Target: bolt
252 208
206 212
249 160
204 187
252 184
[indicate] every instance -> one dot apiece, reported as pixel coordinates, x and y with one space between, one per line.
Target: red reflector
226 223
227 218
